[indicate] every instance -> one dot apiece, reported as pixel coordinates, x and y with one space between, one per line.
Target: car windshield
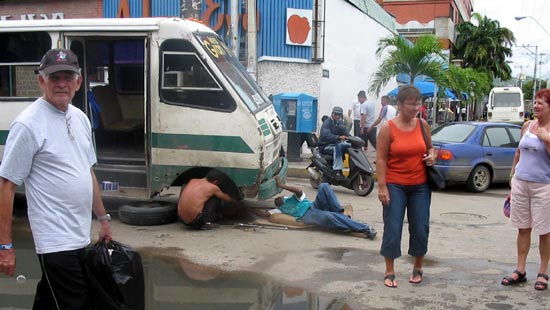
454 133
232 69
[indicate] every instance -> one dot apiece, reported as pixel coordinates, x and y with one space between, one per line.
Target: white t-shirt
389 112
358 109
52 153
370 114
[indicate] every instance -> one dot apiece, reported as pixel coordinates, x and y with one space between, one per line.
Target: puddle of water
174 283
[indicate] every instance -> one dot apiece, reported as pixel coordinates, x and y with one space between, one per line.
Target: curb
296 172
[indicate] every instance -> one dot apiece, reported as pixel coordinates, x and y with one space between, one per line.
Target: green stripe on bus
264 127
3 136
230 144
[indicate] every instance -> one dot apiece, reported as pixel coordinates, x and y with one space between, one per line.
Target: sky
529 32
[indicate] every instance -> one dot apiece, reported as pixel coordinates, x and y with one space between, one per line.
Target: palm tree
485 46
424 57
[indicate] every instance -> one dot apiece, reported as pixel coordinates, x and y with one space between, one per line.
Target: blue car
476 153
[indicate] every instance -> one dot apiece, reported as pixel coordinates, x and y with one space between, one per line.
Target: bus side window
20 55
187 81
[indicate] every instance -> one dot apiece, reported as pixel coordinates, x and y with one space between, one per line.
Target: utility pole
234 32
535 75
252 37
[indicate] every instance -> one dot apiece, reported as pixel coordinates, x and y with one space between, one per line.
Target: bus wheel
148 214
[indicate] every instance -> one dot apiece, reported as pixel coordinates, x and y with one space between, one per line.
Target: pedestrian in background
50 149
370 117
530 203
359 110
400 167
386 113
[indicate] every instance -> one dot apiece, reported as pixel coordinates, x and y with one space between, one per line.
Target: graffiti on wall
191 9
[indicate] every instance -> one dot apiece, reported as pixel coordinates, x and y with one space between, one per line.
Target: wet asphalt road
472 246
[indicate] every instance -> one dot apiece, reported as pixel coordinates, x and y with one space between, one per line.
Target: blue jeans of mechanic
416 200
337 154
326 211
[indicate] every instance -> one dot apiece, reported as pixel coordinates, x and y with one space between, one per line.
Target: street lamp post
535 69
548 33
531 17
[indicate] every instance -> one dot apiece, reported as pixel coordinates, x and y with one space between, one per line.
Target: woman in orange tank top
400 166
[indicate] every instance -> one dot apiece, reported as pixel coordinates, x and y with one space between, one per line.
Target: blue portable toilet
298 111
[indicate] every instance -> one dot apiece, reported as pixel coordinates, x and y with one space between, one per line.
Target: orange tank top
407 148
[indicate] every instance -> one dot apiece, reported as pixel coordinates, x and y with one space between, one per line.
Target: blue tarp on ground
427 90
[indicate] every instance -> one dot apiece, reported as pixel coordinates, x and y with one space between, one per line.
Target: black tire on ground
363 184
479 179
148 214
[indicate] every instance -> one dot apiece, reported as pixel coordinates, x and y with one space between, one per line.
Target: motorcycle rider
333 140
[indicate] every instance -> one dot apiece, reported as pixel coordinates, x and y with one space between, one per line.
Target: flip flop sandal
539 285
511 281
415 274
390 277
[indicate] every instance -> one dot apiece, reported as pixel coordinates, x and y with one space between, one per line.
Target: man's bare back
194 195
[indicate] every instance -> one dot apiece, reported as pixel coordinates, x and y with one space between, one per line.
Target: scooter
361 174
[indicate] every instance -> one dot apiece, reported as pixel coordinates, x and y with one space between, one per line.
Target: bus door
113 94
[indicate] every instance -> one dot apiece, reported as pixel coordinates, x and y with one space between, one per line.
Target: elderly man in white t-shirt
50 149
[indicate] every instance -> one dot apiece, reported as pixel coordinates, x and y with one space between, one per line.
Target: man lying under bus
202 202
325 211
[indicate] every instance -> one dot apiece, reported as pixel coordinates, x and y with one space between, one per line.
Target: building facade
419 17
50 9
325 48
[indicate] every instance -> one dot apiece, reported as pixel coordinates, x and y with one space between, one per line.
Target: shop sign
56 15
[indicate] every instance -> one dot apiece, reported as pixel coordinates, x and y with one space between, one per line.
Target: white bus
166 98
505 104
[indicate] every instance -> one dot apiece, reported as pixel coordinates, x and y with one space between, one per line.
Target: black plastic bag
115 272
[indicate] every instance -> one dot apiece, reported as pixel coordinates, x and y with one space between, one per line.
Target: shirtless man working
201 199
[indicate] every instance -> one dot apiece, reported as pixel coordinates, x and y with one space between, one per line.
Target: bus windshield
232 69
506 100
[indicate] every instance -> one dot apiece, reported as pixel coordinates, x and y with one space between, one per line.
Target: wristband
6 246
106 217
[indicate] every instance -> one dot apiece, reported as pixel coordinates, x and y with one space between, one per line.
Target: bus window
252 96
185 71
185 79
507 100
20 55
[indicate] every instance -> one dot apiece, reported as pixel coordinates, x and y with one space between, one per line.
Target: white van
505 104
166 98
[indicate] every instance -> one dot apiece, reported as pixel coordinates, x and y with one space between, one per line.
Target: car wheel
479 179
363 184
148 214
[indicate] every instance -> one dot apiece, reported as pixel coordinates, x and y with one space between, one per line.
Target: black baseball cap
59 59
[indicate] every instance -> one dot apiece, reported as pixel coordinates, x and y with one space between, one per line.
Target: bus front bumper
269 188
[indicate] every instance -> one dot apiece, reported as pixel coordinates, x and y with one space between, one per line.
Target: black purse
435 178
